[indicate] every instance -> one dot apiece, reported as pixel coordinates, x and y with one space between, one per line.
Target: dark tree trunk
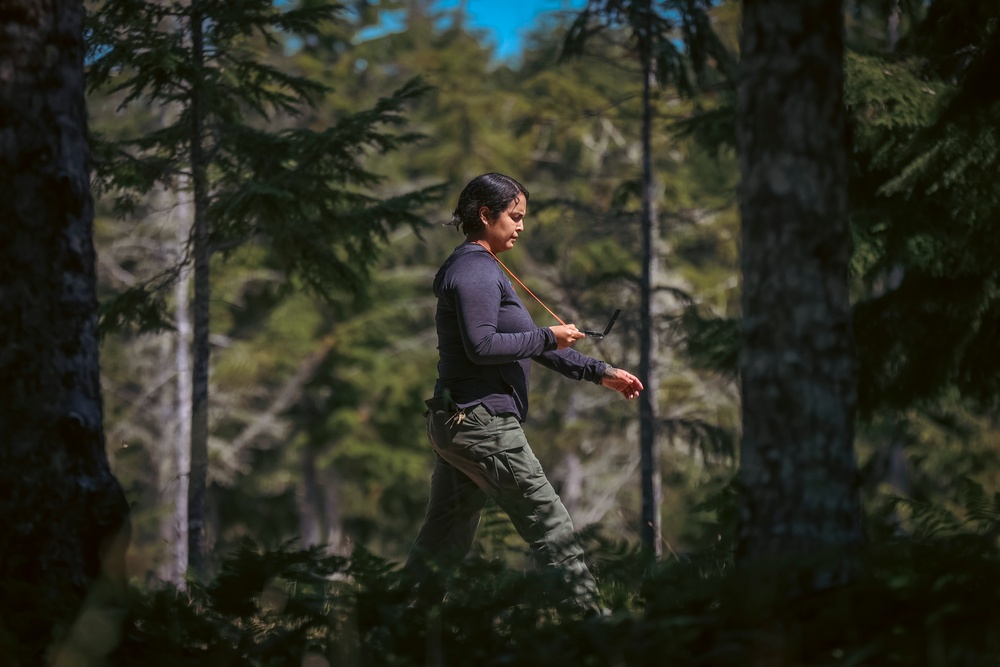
198 479
64 515
797 467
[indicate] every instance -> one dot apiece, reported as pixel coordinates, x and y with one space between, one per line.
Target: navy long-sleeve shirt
487 340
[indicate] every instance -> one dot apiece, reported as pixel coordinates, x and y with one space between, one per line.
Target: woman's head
492 192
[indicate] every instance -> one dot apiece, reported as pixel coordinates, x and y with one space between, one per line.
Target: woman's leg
481 455
454 507
538 514
451 519
494 453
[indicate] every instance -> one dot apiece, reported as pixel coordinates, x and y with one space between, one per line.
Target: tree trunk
181 450
198 479
333 534
174 428
892 26
319 504
65 518
310 500
648 446
570 473
797 466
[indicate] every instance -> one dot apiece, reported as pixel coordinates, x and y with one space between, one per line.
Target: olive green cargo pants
480 456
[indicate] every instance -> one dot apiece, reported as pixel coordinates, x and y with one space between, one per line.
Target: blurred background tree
241 172
649 34
924 214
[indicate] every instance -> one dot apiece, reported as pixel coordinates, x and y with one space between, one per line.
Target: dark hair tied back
494 191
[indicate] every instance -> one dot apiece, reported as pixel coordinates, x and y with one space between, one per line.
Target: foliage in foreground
930 597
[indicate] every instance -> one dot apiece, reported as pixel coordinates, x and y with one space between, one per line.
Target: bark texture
64 514
797 469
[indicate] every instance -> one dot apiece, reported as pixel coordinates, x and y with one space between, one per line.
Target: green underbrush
928 597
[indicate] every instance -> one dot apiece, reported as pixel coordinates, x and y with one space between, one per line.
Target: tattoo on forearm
609 371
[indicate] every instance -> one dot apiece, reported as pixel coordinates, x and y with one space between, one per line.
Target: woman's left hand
621 381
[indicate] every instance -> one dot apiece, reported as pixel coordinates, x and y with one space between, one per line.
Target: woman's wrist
598 377
550 339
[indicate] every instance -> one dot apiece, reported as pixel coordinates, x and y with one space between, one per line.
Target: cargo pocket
472 426
524 468
506 435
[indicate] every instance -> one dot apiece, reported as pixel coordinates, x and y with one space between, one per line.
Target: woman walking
486 343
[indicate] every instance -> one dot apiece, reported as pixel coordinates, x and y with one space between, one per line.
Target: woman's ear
484 214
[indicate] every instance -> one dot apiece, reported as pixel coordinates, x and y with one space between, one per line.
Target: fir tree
651 29
306 193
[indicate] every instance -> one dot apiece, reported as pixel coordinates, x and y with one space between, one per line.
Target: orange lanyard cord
558 319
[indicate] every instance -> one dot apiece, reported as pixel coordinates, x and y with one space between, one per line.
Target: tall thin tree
180 444
654 30
197 157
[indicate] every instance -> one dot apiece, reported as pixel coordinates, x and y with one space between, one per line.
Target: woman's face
501 234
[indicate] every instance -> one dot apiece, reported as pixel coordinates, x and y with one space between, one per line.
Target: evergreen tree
925 211
924 218
652 28
302 190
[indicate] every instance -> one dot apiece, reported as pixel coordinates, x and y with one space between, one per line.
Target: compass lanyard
558 319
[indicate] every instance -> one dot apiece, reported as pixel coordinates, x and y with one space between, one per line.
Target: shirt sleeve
476 291
573 364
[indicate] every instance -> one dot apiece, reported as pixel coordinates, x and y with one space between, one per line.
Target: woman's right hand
566 335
